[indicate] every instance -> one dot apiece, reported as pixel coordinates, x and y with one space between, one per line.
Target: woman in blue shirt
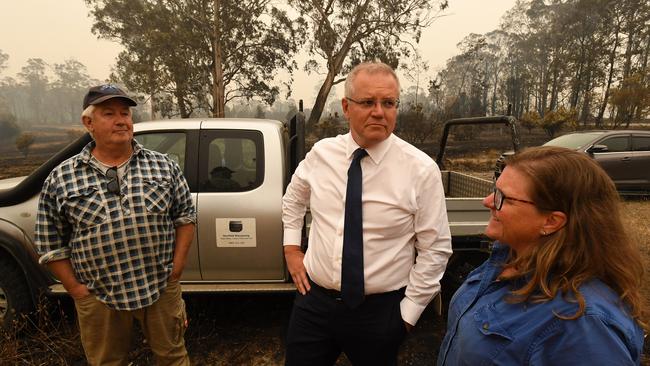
562 284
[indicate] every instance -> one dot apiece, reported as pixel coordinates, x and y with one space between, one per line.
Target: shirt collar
85 155
376 152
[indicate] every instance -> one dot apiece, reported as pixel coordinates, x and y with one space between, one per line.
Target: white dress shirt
403 212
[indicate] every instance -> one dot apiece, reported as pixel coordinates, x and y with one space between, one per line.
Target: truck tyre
15 299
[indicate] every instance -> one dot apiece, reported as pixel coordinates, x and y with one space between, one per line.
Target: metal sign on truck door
236 232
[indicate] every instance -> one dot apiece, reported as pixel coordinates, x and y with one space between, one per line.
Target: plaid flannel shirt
120 246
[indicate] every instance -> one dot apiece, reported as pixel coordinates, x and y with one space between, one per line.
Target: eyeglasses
113 184
499 197
388 103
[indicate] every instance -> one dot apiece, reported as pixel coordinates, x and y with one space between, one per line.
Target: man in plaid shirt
114 225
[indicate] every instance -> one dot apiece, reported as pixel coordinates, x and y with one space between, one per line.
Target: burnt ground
225 329
250 330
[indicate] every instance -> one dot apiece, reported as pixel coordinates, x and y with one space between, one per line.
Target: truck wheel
15 299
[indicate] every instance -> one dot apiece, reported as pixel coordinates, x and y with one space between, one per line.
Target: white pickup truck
237 170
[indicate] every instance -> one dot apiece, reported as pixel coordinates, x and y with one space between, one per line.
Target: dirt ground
48 139
224 330
235 320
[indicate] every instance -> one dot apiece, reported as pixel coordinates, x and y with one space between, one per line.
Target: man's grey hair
88 112
371 68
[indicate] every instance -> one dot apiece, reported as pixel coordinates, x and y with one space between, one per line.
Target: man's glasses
499 197
370 103
113 185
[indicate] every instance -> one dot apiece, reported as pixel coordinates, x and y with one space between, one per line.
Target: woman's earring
544 233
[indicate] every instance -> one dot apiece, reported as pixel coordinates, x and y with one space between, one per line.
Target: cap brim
104 98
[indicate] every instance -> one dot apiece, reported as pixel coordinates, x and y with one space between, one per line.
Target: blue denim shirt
484 329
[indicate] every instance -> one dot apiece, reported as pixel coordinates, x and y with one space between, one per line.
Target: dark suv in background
623 154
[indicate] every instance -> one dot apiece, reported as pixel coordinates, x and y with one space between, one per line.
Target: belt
334 294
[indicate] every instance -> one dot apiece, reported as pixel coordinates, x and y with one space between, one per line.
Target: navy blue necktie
352 289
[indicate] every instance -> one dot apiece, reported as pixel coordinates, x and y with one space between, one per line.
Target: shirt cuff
410 311
292 236
184 221
55 255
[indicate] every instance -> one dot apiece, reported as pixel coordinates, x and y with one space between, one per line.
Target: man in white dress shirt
405 233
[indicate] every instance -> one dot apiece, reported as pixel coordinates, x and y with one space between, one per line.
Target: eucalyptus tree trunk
218 98
610 78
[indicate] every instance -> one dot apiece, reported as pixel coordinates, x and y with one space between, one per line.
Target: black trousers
321 327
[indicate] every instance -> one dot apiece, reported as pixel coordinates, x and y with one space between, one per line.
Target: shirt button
127 212
486 325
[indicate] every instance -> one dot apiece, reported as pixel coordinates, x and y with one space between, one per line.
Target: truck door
174 143
239 205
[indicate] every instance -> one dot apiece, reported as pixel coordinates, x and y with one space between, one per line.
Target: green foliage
345 33
633 93
530 120
465 77
199 55
24 142
551 54
554 121
413 125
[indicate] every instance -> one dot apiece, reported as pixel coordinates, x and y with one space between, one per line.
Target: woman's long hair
592 244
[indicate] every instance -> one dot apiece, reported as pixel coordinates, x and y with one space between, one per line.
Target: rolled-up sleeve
183 209
52 231
295 202
433 245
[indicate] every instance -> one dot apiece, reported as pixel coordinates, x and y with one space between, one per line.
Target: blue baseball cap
101 93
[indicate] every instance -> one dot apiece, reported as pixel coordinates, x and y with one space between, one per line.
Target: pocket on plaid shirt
85 207
157 195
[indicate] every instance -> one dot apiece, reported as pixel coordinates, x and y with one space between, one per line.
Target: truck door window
230 161
170 143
